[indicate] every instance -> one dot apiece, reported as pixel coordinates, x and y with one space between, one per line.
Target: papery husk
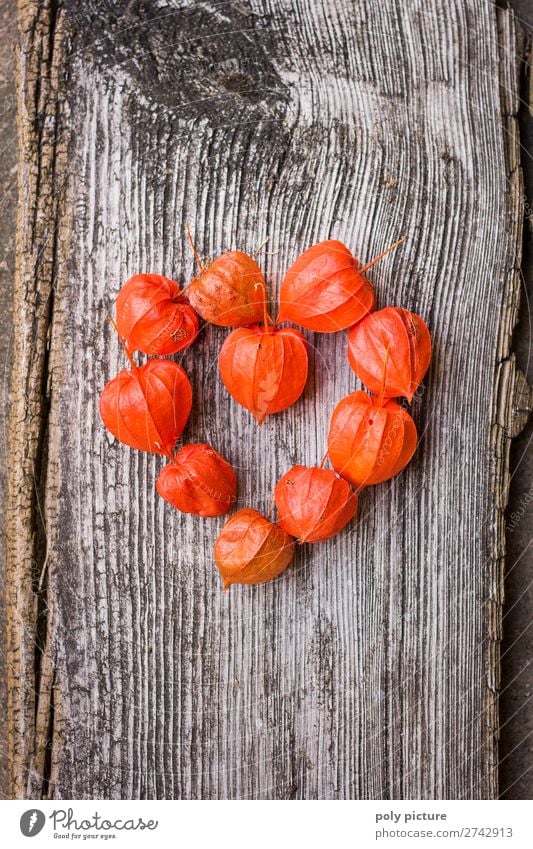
390 352
313 503
147 407
264 368
198 481
369 443
154 316
252 550
230 291
324 290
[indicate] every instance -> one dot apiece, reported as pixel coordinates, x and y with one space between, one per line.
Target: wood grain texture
370 669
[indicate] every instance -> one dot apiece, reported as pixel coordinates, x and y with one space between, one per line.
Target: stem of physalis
193 246
267 321
382 254
130 359
382 390
324 458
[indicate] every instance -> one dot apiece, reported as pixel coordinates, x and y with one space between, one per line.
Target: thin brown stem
193 246
324 458
265 253
260 247
267 321
382 390
384 253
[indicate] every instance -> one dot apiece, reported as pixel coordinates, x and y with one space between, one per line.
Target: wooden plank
370 669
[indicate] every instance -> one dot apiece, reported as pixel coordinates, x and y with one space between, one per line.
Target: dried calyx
313 503
227 292
251 550
326 290
147 407
198 480
398 334
370 441
154 316
264 367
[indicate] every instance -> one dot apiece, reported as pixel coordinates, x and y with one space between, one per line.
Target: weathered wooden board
370 669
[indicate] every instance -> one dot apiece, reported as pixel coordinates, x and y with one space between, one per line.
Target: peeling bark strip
42 172
371 668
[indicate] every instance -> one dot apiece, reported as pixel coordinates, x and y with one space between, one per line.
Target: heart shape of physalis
370 441
252 550
199 481
154 316
147 407
326 290
228 292
313 503
395 337
264 367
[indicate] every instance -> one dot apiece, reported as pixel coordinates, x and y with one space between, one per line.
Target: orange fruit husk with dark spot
154 316
370 442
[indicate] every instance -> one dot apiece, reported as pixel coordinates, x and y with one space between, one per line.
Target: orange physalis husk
147 407
370 442
326 289
198 481
229 291
398 338
154 316
313 503
251 550
264 368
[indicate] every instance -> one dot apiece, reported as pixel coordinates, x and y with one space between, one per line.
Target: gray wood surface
370 669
